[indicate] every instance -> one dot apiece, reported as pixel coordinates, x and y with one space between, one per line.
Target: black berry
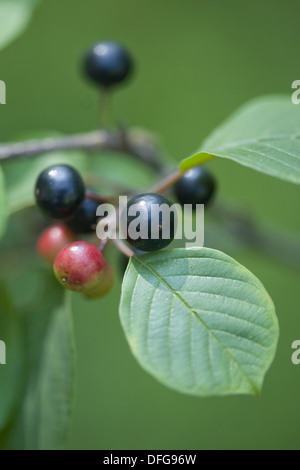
85 219
147 214
59 191
197 186
107 63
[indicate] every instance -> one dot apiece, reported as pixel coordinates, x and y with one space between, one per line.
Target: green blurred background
196 62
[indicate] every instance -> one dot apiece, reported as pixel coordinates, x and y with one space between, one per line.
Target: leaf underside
263 135
37 382
198 321
14 17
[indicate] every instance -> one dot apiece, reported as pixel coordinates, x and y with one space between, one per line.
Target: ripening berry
104 285
79 266
52 240
107 63
59 191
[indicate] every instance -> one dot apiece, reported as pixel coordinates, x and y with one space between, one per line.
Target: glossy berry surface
147 228
59 191
79 266
107 63
197 186
104 286
52 240
85 219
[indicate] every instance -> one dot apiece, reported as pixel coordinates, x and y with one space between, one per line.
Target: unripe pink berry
52 240
79 266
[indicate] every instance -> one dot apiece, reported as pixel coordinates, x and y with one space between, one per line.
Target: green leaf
262 135
14 17
42 419
198 321
48 403
3 204
21 174
12 373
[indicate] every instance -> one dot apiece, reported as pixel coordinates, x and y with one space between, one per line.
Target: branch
167 182
98 197
265 238
140 148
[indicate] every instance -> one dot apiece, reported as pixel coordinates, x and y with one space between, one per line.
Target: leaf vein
225 348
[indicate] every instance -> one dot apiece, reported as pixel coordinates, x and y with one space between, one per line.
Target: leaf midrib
198 318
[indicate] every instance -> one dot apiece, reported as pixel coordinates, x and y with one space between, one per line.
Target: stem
95 140
265 238
105 107
103 244
91 141
163 185
97 197
123 248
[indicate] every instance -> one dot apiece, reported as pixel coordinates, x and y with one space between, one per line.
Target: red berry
79 266
105 284
52 240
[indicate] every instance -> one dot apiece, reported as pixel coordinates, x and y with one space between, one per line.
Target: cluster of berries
79 265
61 195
